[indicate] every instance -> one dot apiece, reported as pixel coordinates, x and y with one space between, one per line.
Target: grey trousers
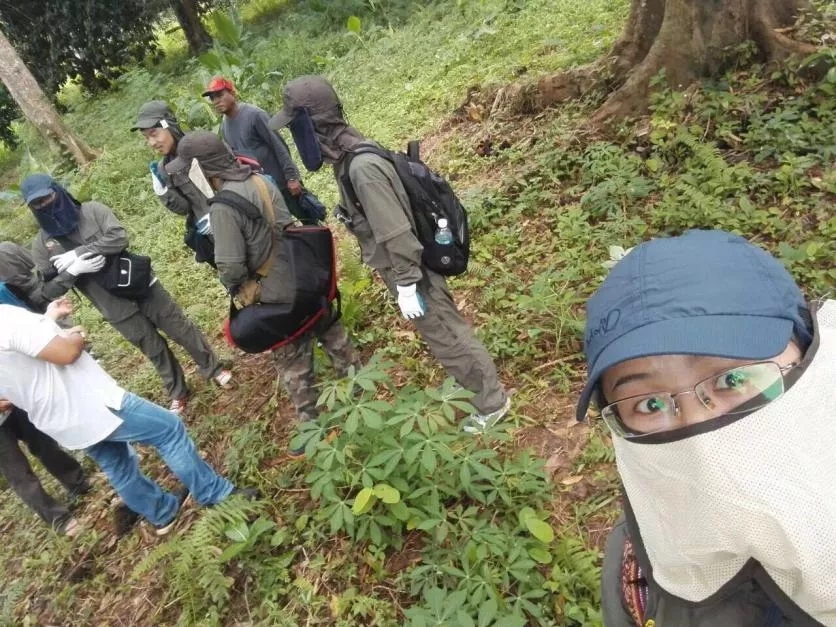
18 473
158 312
295 365
452 342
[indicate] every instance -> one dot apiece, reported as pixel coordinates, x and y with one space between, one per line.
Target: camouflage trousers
295 365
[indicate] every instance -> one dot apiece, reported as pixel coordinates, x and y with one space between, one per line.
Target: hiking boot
182 494
250 494
479 423
223 379
178 405
78 492
124 520
69 528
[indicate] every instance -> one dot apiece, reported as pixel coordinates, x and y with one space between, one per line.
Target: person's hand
295 187
156 179
87 264
204 225
5 406
64 260
410 302
76 330
60 309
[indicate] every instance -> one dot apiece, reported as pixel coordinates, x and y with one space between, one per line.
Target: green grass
752 153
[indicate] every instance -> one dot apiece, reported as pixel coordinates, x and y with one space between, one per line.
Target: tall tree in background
188 15
35 106
690 39
93 41
687 39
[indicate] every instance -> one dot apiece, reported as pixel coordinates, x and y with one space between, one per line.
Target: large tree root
688 39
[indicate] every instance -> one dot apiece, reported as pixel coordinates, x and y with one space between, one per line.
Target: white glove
64 260
410 302
87 263
204 226
159 188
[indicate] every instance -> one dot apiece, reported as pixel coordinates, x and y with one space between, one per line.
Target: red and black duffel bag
313 273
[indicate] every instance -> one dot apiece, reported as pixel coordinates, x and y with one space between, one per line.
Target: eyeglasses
733 391
43 202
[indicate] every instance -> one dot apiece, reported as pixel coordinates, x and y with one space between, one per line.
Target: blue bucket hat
36 186
702 293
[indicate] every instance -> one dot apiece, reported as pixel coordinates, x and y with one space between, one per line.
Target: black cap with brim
279 121
145 123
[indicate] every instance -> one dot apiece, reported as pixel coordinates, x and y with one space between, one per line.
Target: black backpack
312 275
431 198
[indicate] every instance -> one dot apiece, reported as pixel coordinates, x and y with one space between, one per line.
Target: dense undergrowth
400 519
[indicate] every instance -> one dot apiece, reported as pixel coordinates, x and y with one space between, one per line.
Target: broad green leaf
363 502
301 522
525 514
260 526
487 613
428 459
371 418
226 30
354 24
351 424
540 555
232 551
239 532
463 619
387 493
400 511
336 519
540 530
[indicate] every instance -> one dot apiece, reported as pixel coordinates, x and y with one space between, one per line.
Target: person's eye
731 380
651 405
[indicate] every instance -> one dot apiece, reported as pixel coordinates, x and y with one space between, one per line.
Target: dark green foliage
8 114
93 40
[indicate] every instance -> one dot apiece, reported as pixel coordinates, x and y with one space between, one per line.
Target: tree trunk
688 39
28 95
189 17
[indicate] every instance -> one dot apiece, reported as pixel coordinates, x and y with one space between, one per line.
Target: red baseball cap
219 83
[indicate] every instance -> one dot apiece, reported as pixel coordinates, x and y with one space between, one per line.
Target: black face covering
304 136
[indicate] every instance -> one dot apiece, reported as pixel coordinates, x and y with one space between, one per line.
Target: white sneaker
478 423
223 378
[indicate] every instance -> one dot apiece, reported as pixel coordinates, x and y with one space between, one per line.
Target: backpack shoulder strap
237 202
269 209
345 179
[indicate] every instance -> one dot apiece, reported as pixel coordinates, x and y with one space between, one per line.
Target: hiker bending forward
253 267
385 230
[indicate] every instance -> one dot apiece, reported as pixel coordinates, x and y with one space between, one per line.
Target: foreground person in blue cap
718 383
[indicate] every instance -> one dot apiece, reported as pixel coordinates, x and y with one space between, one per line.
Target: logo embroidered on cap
605 325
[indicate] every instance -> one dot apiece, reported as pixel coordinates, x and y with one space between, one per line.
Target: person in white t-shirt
68 396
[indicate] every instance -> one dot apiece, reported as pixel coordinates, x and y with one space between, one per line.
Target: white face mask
762 488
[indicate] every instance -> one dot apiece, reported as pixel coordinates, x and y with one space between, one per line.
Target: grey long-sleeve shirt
98 232
182 197
247 133
384 228
243 244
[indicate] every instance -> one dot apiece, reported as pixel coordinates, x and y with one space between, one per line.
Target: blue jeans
147 423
